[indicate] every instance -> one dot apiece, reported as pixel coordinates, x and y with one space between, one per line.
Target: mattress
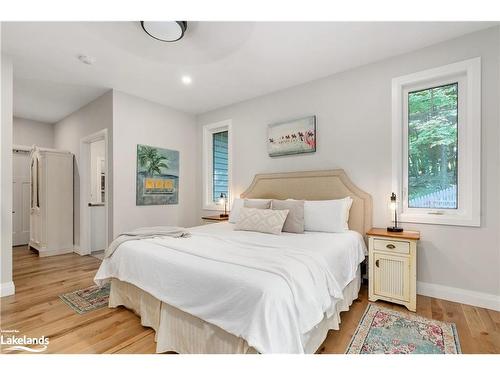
270 290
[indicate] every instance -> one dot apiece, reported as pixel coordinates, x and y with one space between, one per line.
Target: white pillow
235 210
327 216
261 220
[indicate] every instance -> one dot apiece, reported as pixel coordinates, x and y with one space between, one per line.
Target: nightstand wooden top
216 218
382 232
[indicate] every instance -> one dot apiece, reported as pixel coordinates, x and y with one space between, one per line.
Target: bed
227 291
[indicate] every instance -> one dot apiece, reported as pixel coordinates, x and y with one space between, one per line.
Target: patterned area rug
384 331
88 299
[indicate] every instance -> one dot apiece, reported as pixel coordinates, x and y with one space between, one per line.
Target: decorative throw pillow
258 203
294 222
327 216
261 220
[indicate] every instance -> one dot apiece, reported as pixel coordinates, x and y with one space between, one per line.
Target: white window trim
469 138
208 131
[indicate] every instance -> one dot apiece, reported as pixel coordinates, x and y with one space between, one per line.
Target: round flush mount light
186 80
165 31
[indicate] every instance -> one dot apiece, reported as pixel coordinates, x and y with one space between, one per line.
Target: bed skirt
184 333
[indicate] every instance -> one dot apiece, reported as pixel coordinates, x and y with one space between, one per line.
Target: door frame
85 178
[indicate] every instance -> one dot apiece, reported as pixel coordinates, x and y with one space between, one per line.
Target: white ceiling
228 61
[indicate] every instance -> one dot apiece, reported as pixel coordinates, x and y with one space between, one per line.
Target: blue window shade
220 165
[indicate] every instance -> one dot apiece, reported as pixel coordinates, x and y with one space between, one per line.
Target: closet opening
94 205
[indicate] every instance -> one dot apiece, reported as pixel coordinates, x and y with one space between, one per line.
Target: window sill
440 219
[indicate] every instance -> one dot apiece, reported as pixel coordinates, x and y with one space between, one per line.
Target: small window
216 164
220 165
433 147
436 133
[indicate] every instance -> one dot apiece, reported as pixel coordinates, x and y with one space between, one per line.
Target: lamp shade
393 205
223 200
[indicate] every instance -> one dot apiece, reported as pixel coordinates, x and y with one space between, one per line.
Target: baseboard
49 253
77 250
7 289
468 297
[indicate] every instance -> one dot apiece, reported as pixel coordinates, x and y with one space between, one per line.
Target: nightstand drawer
401 247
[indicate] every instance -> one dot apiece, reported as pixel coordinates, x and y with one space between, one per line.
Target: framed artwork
292 137
157 176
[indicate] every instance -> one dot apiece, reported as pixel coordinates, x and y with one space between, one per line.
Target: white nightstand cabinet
392 267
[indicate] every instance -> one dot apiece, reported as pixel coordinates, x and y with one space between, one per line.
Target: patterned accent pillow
261 220
294 222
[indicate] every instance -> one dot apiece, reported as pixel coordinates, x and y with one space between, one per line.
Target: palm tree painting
157 176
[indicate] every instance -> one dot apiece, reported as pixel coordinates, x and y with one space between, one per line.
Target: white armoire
51 216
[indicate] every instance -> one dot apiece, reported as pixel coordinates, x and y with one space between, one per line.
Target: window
216 164
436 144
433 147
219 165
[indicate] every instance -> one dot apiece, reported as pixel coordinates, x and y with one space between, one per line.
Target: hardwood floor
37 310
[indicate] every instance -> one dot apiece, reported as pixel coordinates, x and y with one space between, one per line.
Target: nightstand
392 266
214 219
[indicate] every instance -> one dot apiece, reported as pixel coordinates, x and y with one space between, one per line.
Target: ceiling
227 61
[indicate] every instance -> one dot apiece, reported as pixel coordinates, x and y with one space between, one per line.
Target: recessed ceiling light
165 31
186 80
86 59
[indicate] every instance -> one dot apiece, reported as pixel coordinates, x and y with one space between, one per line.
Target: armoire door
21 195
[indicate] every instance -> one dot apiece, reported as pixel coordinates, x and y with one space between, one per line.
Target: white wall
138 121
353 112
68 132
29 132
6 285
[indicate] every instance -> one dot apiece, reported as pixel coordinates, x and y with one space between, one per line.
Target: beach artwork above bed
292 137
157 179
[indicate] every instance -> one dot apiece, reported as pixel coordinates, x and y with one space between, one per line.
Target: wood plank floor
37 310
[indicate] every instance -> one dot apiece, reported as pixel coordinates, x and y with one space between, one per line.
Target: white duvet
268 289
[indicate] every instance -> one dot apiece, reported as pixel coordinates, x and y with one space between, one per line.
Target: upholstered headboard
315 185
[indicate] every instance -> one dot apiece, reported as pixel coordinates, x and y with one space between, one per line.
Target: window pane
433 147
220 165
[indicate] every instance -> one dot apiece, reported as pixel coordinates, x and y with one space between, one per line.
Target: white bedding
268 289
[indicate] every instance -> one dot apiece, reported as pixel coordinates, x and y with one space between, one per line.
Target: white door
21 195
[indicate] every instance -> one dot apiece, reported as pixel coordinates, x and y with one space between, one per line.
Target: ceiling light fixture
186 80
165 31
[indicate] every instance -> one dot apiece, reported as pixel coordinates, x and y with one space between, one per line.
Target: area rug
87 299
384 331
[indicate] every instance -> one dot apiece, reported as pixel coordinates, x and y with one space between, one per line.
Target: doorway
94 194
21 194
